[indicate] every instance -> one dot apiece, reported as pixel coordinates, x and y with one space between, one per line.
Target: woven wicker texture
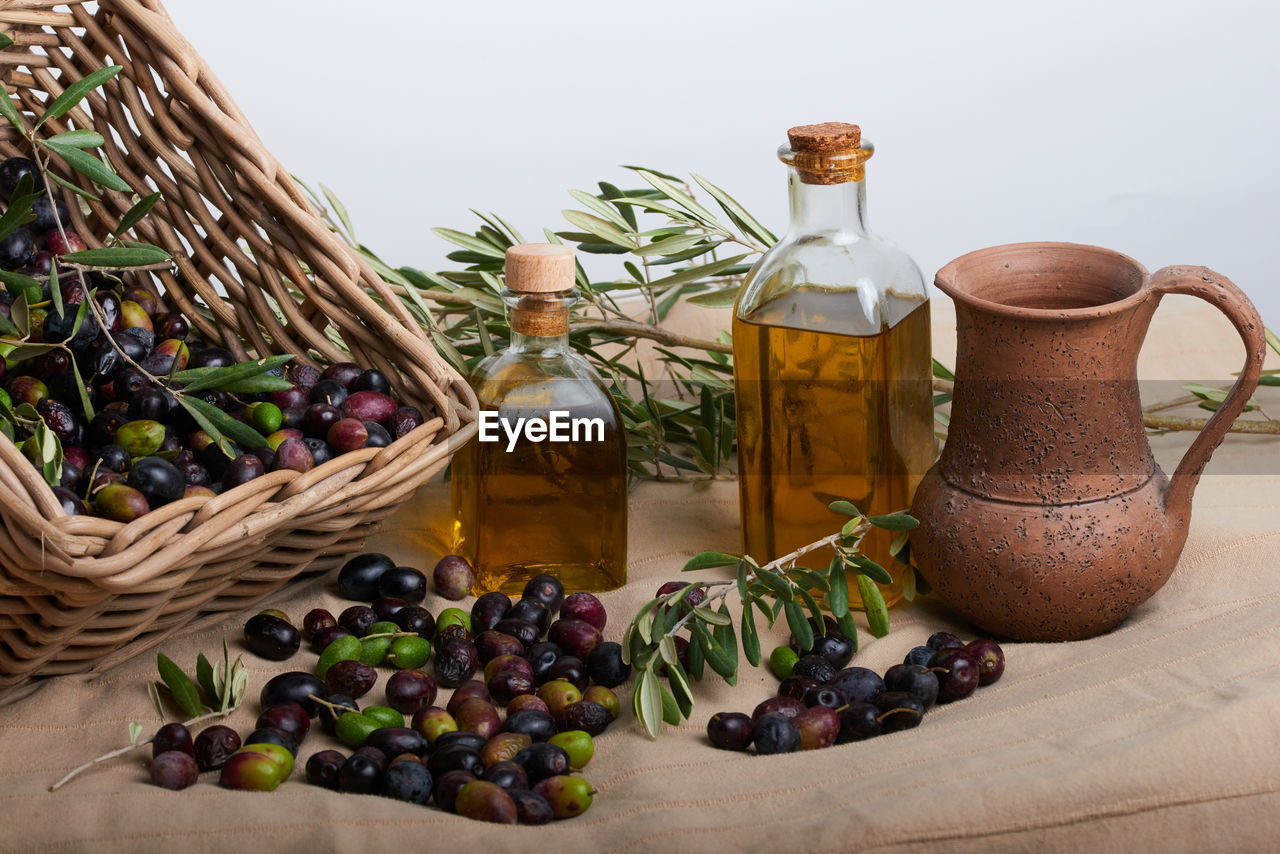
79 592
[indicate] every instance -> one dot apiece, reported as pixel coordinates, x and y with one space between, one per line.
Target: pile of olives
822 702
140 449
532 687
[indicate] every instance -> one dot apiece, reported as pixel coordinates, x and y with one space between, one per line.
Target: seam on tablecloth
773 823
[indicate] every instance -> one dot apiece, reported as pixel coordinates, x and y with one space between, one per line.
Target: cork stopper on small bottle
539 268
827 153
541 273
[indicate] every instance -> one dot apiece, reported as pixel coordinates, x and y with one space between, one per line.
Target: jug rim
946 279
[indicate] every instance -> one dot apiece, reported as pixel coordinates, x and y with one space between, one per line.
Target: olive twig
199 719
779 587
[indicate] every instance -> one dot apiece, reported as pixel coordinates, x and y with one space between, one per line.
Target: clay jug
1046 517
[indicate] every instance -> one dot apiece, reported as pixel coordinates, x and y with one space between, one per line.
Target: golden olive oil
828 409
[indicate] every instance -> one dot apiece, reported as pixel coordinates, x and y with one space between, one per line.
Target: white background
1150 128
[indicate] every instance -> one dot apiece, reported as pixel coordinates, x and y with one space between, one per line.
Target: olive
358 619
605 665
541 656
586 715
323 768
327 392
469 740
256 767
371 380
340 706
408 781
271 735
404 420
491 645
455 758
857 684
570 668
396 740
478 716
359 775
526 633
990 658
531 611
368 406
376 436
818 727
271 637
488 610
508 775
503 747
445 791
543 759
358 579
576 637
958 673
858 721
434 722
418 620
403 582
508 662
916 679
455 662
174 769
604 697
351 678
294 687
213 745
288 718
585 607
342 373
531 808
172 737
577 744
775 733
387 607
899 710
315 620
539 726
453 577
558 694
485 801
546 589
410 690
465 691
568 796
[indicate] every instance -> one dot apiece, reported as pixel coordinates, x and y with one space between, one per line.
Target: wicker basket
79 593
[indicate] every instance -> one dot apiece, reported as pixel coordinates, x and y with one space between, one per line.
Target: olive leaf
202 379
179 684
119 256
76 92
135 214
135 732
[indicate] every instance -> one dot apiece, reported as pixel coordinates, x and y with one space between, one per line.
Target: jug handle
1220 292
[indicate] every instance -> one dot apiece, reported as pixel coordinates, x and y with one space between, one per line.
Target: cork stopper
540 273
539 268
827 153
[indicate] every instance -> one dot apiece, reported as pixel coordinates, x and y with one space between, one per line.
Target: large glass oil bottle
526 503
832 363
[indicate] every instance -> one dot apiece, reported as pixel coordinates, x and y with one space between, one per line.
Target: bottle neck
539 321
539 345
827 208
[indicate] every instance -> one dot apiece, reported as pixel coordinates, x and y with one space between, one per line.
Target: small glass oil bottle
547 493
832 363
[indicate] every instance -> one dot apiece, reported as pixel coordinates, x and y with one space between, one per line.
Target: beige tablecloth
1163 735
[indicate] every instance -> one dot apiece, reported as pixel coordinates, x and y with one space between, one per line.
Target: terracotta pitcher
1046 517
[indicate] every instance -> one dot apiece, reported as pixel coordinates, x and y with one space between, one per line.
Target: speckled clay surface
1046 518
